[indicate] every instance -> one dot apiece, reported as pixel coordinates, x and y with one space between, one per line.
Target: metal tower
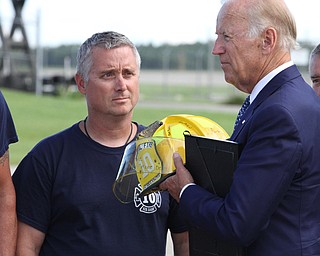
17 60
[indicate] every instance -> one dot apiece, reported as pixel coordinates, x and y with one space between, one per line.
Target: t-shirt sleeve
8 133
176 221
33 184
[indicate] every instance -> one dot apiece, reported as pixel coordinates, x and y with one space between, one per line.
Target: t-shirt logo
149 203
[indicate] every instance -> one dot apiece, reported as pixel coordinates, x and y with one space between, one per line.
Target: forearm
26 252
180 243
29 240
8 225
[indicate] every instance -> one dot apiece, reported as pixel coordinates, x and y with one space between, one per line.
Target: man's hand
175 183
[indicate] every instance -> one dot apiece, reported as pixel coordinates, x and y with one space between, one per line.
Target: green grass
37 117
203 94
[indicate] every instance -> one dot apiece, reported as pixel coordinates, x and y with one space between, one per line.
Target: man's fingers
184 176
175 183
177 160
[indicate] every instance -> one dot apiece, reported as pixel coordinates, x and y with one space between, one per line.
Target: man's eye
108 74
128 74
226 37
316 82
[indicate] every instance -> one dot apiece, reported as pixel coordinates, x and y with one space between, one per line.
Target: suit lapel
274 84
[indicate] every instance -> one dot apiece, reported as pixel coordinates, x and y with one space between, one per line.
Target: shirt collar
263 82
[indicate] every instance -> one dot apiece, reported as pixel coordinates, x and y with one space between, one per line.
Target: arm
8 219
29 240
259 184
180 243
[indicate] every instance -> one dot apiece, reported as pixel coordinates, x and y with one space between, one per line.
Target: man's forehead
232 15
231 22
315 62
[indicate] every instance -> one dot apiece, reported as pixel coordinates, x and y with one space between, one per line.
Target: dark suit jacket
273 207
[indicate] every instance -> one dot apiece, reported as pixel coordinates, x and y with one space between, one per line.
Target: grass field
37 117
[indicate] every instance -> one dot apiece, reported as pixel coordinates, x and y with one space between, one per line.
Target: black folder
211 163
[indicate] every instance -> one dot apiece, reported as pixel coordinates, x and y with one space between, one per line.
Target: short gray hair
315 51
108 40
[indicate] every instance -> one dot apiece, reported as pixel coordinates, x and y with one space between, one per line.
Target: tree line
179 57
195 56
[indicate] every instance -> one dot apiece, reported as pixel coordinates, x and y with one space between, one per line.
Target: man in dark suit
273 206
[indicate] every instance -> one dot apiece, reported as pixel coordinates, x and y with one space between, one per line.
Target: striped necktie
242 110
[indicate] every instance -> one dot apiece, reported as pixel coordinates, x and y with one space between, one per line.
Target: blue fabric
64 189
8 133
273 205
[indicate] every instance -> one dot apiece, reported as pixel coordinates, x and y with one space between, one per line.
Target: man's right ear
80 83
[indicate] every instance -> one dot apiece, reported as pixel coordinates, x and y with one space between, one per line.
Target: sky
143 21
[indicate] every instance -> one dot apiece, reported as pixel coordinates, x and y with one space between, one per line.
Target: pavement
169 251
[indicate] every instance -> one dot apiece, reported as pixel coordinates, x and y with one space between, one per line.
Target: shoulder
4 109
8 132
56 140
2 100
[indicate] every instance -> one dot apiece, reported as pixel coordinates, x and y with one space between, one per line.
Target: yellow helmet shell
175 125
170 135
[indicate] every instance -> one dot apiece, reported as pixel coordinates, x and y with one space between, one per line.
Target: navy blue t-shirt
64 189
8 133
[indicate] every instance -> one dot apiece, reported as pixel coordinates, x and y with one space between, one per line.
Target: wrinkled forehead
315 64
231 17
